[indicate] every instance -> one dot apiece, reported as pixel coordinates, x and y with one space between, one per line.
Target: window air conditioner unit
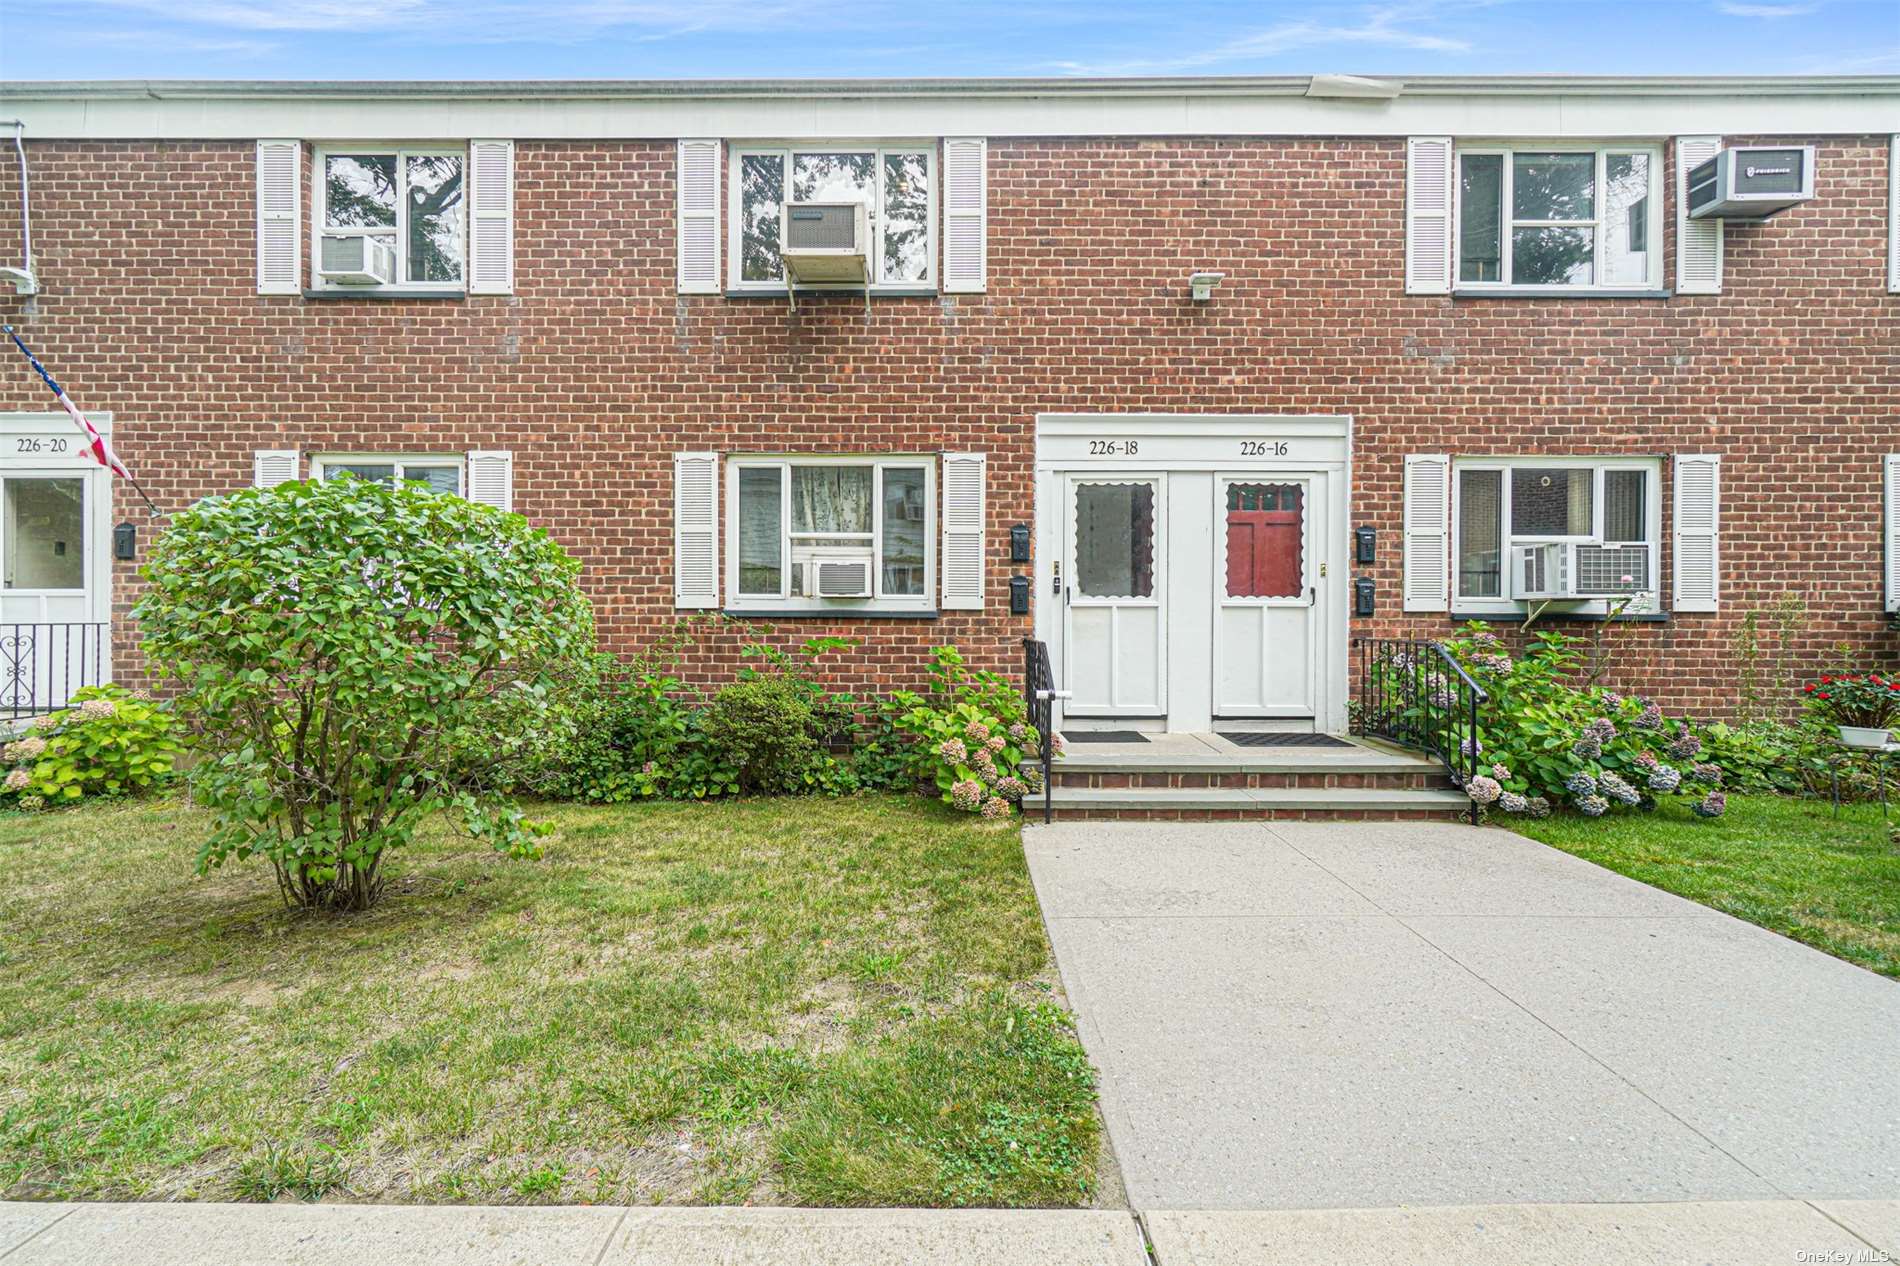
825 242
1541 572
1751 182
1562 571
356 261
839 573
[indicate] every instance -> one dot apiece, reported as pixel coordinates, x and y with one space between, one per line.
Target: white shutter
965 215
1892 532
1427 532
698 181
273 466
1893 215
1698 521
491 478
696 529
279 262
961 560
491 229
1428 185
1698 242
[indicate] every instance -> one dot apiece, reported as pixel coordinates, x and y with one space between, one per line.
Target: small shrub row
109 741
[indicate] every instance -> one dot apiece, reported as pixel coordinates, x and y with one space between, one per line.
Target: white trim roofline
1597 106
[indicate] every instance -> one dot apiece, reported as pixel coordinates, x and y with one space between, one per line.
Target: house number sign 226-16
34 444
1263 448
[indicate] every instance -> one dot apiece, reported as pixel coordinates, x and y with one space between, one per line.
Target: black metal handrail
1039 699
1414 693
42 665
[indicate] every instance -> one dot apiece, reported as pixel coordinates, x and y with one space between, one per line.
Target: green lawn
824 1002
1786 864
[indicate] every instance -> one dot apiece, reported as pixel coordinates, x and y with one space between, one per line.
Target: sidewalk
1746 1233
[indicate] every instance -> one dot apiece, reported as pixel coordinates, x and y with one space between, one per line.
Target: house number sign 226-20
1263 448
34 444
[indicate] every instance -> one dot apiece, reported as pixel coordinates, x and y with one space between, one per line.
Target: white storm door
1114 613
1266 591
53 636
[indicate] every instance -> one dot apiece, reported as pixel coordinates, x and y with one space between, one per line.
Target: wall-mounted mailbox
1019 595
1362 603
125 542
1019 543
1365 545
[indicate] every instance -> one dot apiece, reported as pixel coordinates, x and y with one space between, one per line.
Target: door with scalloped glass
1265 595
1114 613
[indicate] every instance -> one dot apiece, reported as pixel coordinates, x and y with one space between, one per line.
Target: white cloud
1385 28
1738 10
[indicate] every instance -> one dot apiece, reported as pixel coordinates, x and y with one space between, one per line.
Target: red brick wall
595 372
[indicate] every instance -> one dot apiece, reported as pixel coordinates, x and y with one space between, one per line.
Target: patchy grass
827 1001
1789 865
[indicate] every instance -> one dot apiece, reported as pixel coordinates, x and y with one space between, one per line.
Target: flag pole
97 445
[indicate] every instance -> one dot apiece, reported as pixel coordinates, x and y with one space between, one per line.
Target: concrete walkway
1354 1015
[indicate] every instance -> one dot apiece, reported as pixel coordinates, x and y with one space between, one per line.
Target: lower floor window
1551 529
438 474
819 531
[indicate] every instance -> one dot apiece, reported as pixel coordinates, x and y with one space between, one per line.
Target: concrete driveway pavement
1352 1015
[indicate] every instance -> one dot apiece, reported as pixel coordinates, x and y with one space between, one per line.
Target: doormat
1291 738
1104 736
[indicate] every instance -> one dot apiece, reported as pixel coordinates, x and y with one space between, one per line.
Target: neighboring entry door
1114 623
52 626
1265 595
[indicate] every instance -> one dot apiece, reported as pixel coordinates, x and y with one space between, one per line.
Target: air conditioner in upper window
825 242
839 573
356 261
1750 182
1568 570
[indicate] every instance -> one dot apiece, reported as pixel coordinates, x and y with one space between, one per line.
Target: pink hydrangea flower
995 807
19 780
953 752
967 795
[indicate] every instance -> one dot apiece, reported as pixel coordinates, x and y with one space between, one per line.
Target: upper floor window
895 183
390 217
1559 218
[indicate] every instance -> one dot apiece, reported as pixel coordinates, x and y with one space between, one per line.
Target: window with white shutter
1698 242
965 215
698 215
1427 532
491 478
1698 521
696 530
491 235
1890 510
963 510
1428 215
273 466
279 263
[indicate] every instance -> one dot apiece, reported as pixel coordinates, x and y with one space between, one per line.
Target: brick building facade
594 371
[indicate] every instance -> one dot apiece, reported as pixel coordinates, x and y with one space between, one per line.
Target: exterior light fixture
1201 285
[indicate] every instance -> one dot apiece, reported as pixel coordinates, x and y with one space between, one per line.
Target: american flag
96 444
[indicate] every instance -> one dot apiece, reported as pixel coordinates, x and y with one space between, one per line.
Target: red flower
1826 680
1810 687
1821 695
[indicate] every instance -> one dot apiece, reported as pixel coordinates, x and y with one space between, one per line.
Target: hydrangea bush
1546 740
970 737
110 741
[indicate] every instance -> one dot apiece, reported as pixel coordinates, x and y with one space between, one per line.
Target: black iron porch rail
1039 699
42 665
1415 694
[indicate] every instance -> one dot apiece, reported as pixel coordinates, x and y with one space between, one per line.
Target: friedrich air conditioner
356 261
825 242
1751 182
838 573
1566 570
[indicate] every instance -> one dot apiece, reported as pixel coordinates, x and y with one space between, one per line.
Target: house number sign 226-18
1114 448
1263 448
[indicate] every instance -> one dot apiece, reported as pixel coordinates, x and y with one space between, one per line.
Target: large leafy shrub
1546 738
108 742
639 734
778 726
971 736
352 657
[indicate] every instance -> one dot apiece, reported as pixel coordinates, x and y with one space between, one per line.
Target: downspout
24 282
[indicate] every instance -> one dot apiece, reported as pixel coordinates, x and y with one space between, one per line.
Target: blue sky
693 39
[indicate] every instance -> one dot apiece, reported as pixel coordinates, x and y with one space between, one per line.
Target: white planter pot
1861 736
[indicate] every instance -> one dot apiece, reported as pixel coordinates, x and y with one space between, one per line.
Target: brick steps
1407 779
1218 803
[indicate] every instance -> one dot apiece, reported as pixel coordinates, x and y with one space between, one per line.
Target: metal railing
1415 694
1039 698
41 665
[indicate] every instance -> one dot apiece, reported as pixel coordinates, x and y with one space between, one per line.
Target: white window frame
402 152
735 201
320 465
785 600
1509 150
1647 603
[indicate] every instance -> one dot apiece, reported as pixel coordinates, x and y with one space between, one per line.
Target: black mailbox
1362 604
1019 543
125 542
1365 543
1019 595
